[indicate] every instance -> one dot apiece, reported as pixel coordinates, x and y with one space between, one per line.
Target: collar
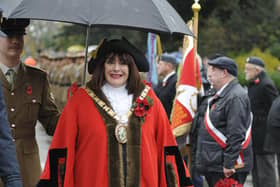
108 88
119 98
221 89
261 75
168 75
4 68
227 87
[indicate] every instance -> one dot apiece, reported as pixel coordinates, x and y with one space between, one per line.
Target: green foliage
76 35
274 49
241 78
245 25
275 76
271 64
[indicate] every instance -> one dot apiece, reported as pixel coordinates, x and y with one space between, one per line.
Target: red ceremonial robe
85 153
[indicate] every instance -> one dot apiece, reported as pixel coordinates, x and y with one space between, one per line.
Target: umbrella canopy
144 15
156 16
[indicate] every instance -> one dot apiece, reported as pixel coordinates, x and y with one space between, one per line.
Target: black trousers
213 178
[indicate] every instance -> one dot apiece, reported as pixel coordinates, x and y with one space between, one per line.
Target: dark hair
134 81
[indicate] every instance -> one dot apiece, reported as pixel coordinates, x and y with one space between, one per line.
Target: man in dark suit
262 92
166 89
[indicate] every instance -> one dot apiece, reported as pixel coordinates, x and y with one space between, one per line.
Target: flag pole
187 149
196 8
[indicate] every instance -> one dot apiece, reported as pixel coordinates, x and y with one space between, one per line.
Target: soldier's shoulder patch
33 70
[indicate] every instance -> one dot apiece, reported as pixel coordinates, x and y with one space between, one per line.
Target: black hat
224 62
13 27
166 57
119 46
216 55
256 61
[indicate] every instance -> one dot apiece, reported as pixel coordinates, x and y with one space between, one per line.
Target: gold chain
108 110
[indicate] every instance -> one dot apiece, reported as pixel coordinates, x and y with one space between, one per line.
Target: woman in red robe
114 132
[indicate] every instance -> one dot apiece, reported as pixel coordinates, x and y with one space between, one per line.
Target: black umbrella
145 15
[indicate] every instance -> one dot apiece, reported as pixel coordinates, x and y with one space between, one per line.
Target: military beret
13 26
255 60
178 56
224 62
119 46
166 57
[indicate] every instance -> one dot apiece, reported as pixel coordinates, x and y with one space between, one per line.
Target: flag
153 49
189 84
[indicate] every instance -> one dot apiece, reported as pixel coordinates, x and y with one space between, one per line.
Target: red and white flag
185 104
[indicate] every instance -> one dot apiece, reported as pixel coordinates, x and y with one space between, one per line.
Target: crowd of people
65 72
115 130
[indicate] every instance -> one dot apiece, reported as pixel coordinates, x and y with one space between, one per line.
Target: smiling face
116 70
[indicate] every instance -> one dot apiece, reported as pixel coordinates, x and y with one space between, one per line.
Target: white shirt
4 68
119 99
219 91
167 76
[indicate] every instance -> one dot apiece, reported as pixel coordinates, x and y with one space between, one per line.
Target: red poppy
29 90
141 107
257 81
228 182
139 112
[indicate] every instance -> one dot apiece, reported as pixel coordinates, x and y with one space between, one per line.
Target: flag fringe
182 129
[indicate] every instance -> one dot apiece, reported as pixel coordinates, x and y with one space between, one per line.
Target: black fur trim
170 174
54 156
183 180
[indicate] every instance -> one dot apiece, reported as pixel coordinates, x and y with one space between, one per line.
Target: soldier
9 169
27 94
56 79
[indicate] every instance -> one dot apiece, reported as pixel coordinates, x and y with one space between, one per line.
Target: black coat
273 128
261 94
166 93
231 116
198 120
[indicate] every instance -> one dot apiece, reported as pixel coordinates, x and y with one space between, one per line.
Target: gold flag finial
196 8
